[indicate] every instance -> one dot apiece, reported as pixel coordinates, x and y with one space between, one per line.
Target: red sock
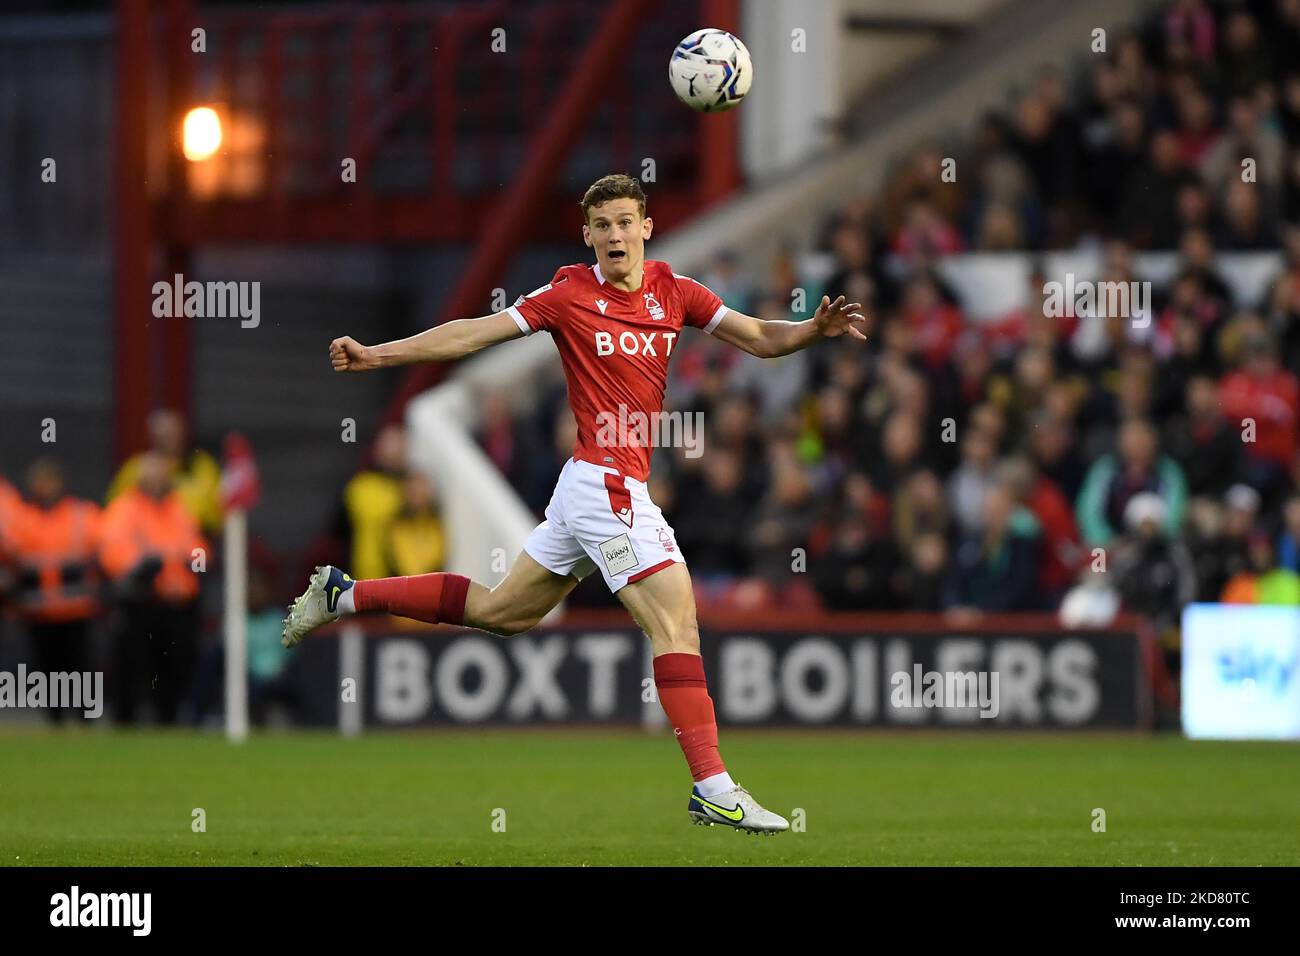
684 695
434 598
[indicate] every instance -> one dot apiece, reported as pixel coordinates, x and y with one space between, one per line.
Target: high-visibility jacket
11 507
373 499
137 525
197 478
54 551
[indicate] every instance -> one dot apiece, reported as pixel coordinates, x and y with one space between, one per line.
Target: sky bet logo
1266 672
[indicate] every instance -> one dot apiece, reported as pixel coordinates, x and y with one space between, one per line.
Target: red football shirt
615 347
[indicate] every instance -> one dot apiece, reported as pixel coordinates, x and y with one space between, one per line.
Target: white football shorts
599 518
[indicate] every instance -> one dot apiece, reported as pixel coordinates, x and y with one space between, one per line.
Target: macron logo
601 304
132 910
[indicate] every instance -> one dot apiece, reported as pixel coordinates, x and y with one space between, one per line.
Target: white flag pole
236 621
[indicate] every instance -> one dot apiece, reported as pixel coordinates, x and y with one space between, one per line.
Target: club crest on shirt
653 307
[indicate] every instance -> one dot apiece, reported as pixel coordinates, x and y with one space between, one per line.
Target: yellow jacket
373 499
197 479
416 544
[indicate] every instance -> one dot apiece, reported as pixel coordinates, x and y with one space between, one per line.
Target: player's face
617 231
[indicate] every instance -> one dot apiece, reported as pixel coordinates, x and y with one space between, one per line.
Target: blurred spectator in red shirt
1263 392
1189 31
935 324
925 233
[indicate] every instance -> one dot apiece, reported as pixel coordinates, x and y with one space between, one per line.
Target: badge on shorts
618 555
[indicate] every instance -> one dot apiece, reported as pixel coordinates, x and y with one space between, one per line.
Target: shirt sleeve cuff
717 317
520 321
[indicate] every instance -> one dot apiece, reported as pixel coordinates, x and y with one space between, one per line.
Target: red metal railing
435 119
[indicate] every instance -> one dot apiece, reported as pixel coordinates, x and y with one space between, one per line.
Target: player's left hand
838 317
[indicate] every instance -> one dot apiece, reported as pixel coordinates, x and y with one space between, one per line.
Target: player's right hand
349 355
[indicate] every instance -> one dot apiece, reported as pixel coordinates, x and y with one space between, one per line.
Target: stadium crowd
1034 461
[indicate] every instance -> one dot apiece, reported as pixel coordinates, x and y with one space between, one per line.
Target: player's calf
437 598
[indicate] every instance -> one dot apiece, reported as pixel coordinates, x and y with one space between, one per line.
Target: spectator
1052 447
373 498
1246 225
1245 138
196 475
1263 394
935 323
1196 128
1117 149
919 509
1284 300
1204 536
502 438
1241 520
11 508
921 582
1189 26
416 543
55 543
1150 199
784 520
1155 572
972 480
924 234
711 518
994 566
1208 449
1288 543
1116 478
724 278
148 548
901 448
1062 552
1264 582
852 557
1247 62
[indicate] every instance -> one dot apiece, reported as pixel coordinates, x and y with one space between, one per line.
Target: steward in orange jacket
53 540
54 545
11 505
148 550
148 545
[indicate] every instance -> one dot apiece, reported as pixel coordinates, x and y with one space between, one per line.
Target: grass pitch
606 797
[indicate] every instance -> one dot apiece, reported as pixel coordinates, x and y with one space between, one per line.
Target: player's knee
683 638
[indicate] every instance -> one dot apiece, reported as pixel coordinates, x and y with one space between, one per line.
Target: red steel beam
174 377
131 230
507 224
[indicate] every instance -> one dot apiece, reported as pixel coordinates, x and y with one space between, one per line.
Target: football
710 71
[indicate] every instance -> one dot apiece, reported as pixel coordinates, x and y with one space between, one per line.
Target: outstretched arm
768 338
442 343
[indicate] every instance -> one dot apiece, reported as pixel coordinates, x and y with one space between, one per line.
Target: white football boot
734 808
315 606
